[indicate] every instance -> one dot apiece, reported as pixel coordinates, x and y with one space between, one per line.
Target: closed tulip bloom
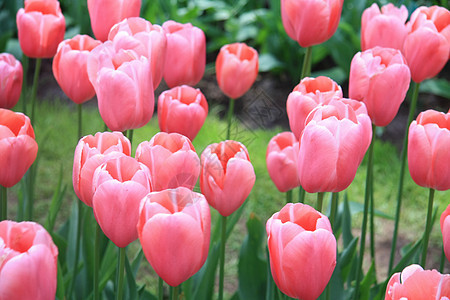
90 153
70 67
105 14
119 185
174 230
445 229
310 22
415 283
281 159
385 28
428 150
182 109
11 78
380 78
227 176
171 159
28 265
41 27
427 46
236 69
302 250
185 54
307 95
18 147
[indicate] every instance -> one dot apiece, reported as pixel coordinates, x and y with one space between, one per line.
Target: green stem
23 95
306 69
426 237
98 233
222 256
412 109
80 121
77 247
175 292
4 203
320 201
160 289
334 207
130 136
230 116
301 194
37 69
289 196
443 258
121 272
372 203
30 180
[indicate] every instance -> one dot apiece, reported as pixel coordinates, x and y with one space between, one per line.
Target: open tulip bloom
11 78
445 229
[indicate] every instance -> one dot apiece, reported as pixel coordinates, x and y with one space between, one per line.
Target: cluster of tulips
150 197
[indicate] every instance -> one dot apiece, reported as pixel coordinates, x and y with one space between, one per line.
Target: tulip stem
121 272
222 256
37 69
130 136
23 95
175 292
412 109
4 203
289 196
80 120
334 207
97 261
160 289
77 246
441 265
230 116
372 204
301 194
306 69
426 237
320 201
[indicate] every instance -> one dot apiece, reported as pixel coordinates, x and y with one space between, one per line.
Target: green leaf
346 222
436 86
55 205
367 282
356 207
268 62
131 287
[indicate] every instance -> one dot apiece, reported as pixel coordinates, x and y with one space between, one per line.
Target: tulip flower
29 260
182 109
310 22
18 147
281 158
307 95
11 78
427 45
171 159
302 250
445 229
236 69
174 230
415 283
380 78
90 153
105 14
185 54
428 150
227 176
145 39
332 146
385 28
41 27
70 67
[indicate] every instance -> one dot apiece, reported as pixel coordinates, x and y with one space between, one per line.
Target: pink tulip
428 150
380 78
415 283
70 67
171 159
427 46
385 28
90 153
174 230
119 185
105 13
310 22
185 54
11 78
28 262
333 145
236 69
41 27
18 147
227 176
307 95
302 250
281 158
445 229
145 39
182 109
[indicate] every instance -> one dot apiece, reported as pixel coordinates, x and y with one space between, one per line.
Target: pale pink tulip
445 229
11 78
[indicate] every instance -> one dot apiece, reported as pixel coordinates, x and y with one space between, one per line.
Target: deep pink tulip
415 283
281 159
380 78
105 13
428 150
307 95
182 109
90 153
11 78
427 46
119 185
302 250
145 39
70 67
385 28
18 147
310 22
445 229
227 176
185 54
171 159
236 69
174 230
333 145
28 262
41 27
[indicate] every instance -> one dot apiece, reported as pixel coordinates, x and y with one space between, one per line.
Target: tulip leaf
57 199
60 288
436 86
356 207
268 62
346 222
366 283
130 287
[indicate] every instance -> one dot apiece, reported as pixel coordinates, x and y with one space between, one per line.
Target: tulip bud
445 229
11 78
